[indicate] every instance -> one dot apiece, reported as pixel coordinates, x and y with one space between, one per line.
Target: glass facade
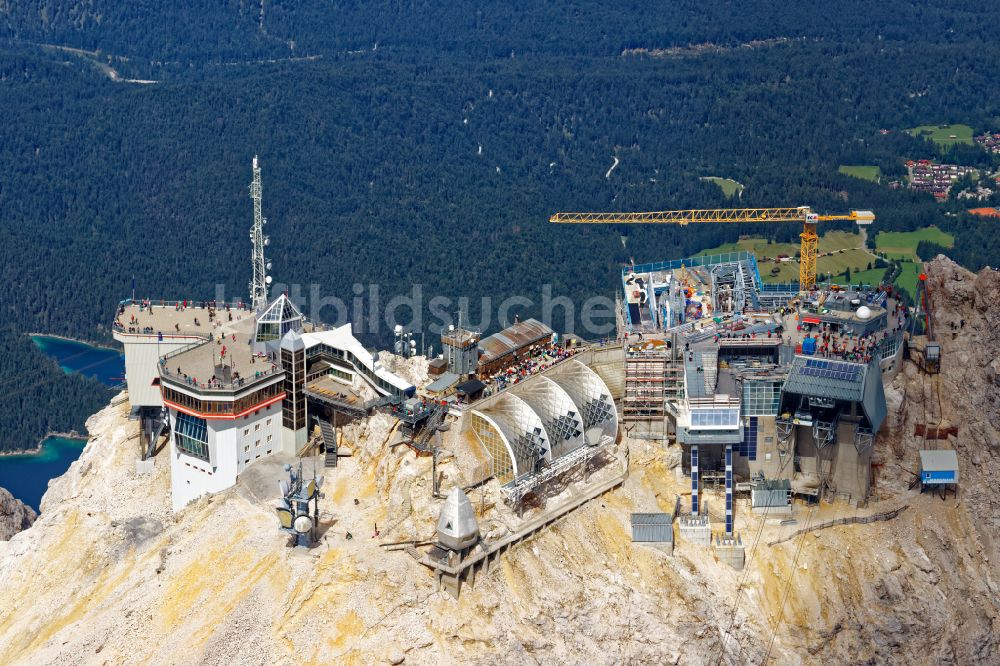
294 408
279 318
501 466
222 407
191 436
715 418
761 398
333 354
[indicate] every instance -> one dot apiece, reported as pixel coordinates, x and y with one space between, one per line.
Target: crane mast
801 214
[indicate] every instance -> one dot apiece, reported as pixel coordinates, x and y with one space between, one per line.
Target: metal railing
689 262
223 385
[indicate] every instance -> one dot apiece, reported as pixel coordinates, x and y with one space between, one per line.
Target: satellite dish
413 344
397 329
267 241
864 312
303 524
310 488
451 327
285 516
398 347
268 265
268 279
283 487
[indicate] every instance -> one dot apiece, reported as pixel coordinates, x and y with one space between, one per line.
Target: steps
433 421
329 442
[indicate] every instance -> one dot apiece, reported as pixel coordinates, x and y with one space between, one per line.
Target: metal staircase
420 443
329 434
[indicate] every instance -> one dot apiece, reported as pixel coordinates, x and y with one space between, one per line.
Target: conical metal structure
457 526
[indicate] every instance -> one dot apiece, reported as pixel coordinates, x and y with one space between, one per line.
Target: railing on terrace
202 304
780 287
146 303
491 389
230 385
707 260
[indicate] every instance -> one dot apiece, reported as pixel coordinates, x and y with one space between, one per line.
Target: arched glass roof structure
545 418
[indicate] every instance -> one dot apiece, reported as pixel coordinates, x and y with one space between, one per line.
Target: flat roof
443 383
652 527
202 362
329 387
174 318
939 460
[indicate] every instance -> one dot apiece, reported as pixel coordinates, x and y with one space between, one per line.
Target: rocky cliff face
108 574
14 515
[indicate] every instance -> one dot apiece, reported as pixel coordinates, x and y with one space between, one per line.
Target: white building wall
256 436
233 445
142 357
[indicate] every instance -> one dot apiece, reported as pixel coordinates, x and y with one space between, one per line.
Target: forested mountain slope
436 158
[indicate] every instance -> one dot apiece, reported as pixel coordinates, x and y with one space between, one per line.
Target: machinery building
664 295
766 391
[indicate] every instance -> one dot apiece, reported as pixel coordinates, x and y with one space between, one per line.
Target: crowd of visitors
538 359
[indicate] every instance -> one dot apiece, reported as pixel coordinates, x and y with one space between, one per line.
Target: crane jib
801 214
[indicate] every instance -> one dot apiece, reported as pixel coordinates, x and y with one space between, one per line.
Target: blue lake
27 476
107 365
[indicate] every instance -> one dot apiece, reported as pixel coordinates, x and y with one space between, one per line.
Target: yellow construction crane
803 214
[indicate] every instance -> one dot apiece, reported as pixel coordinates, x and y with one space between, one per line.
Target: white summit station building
228 379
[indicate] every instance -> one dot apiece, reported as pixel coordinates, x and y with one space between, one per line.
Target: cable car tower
260 281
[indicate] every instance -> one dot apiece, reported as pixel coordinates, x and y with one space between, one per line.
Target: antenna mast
258 285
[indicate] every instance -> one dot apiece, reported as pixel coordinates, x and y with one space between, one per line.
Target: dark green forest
427 143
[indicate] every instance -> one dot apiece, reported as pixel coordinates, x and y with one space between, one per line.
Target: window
501 466
761 398
191 436
246 431
269 438
269 421
256 427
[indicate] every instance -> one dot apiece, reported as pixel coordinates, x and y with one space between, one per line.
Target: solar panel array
816 367
715 417
748 447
